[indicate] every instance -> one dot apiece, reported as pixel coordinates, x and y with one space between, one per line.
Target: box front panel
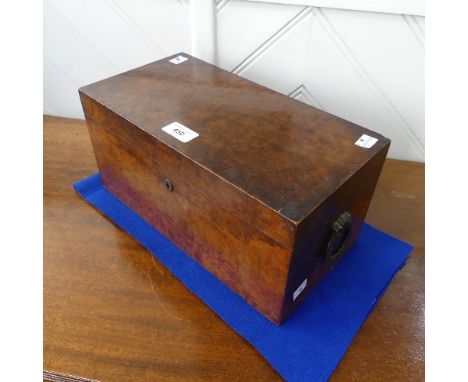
241 256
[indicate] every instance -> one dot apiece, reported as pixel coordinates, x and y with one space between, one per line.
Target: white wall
362 60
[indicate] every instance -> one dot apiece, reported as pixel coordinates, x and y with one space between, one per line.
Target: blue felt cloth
312 341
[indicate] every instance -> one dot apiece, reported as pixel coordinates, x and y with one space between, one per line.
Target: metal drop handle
341 230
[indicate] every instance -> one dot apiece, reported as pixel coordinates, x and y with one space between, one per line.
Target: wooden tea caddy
265 192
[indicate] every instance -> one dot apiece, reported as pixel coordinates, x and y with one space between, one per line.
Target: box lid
286 154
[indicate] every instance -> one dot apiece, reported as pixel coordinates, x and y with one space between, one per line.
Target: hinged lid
286 154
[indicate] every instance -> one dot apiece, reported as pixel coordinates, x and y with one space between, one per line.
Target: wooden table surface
114 313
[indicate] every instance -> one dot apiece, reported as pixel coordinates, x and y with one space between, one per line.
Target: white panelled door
364 63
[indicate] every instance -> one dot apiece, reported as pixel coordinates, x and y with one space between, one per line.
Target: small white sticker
179 131
366 141
178 59
299 290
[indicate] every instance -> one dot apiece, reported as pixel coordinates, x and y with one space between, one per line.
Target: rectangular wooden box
267 194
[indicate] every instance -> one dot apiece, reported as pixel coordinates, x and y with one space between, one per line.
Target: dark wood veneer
253 198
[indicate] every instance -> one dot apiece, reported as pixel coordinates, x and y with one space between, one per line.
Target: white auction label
179 131
366 141
178 60
299 289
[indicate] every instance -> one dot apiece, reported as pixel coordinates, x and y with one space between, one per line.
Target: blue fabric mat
312 341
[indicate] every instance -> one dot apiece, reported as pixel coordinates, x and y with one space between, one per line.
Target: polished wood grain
113 313
193 215
272 147
254 197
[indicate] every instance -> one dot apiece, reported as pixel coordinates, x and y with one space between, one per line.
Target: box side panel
309 262
189 214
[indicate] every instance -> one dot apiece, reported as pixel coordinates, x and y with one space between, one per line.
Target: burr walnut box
265 192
